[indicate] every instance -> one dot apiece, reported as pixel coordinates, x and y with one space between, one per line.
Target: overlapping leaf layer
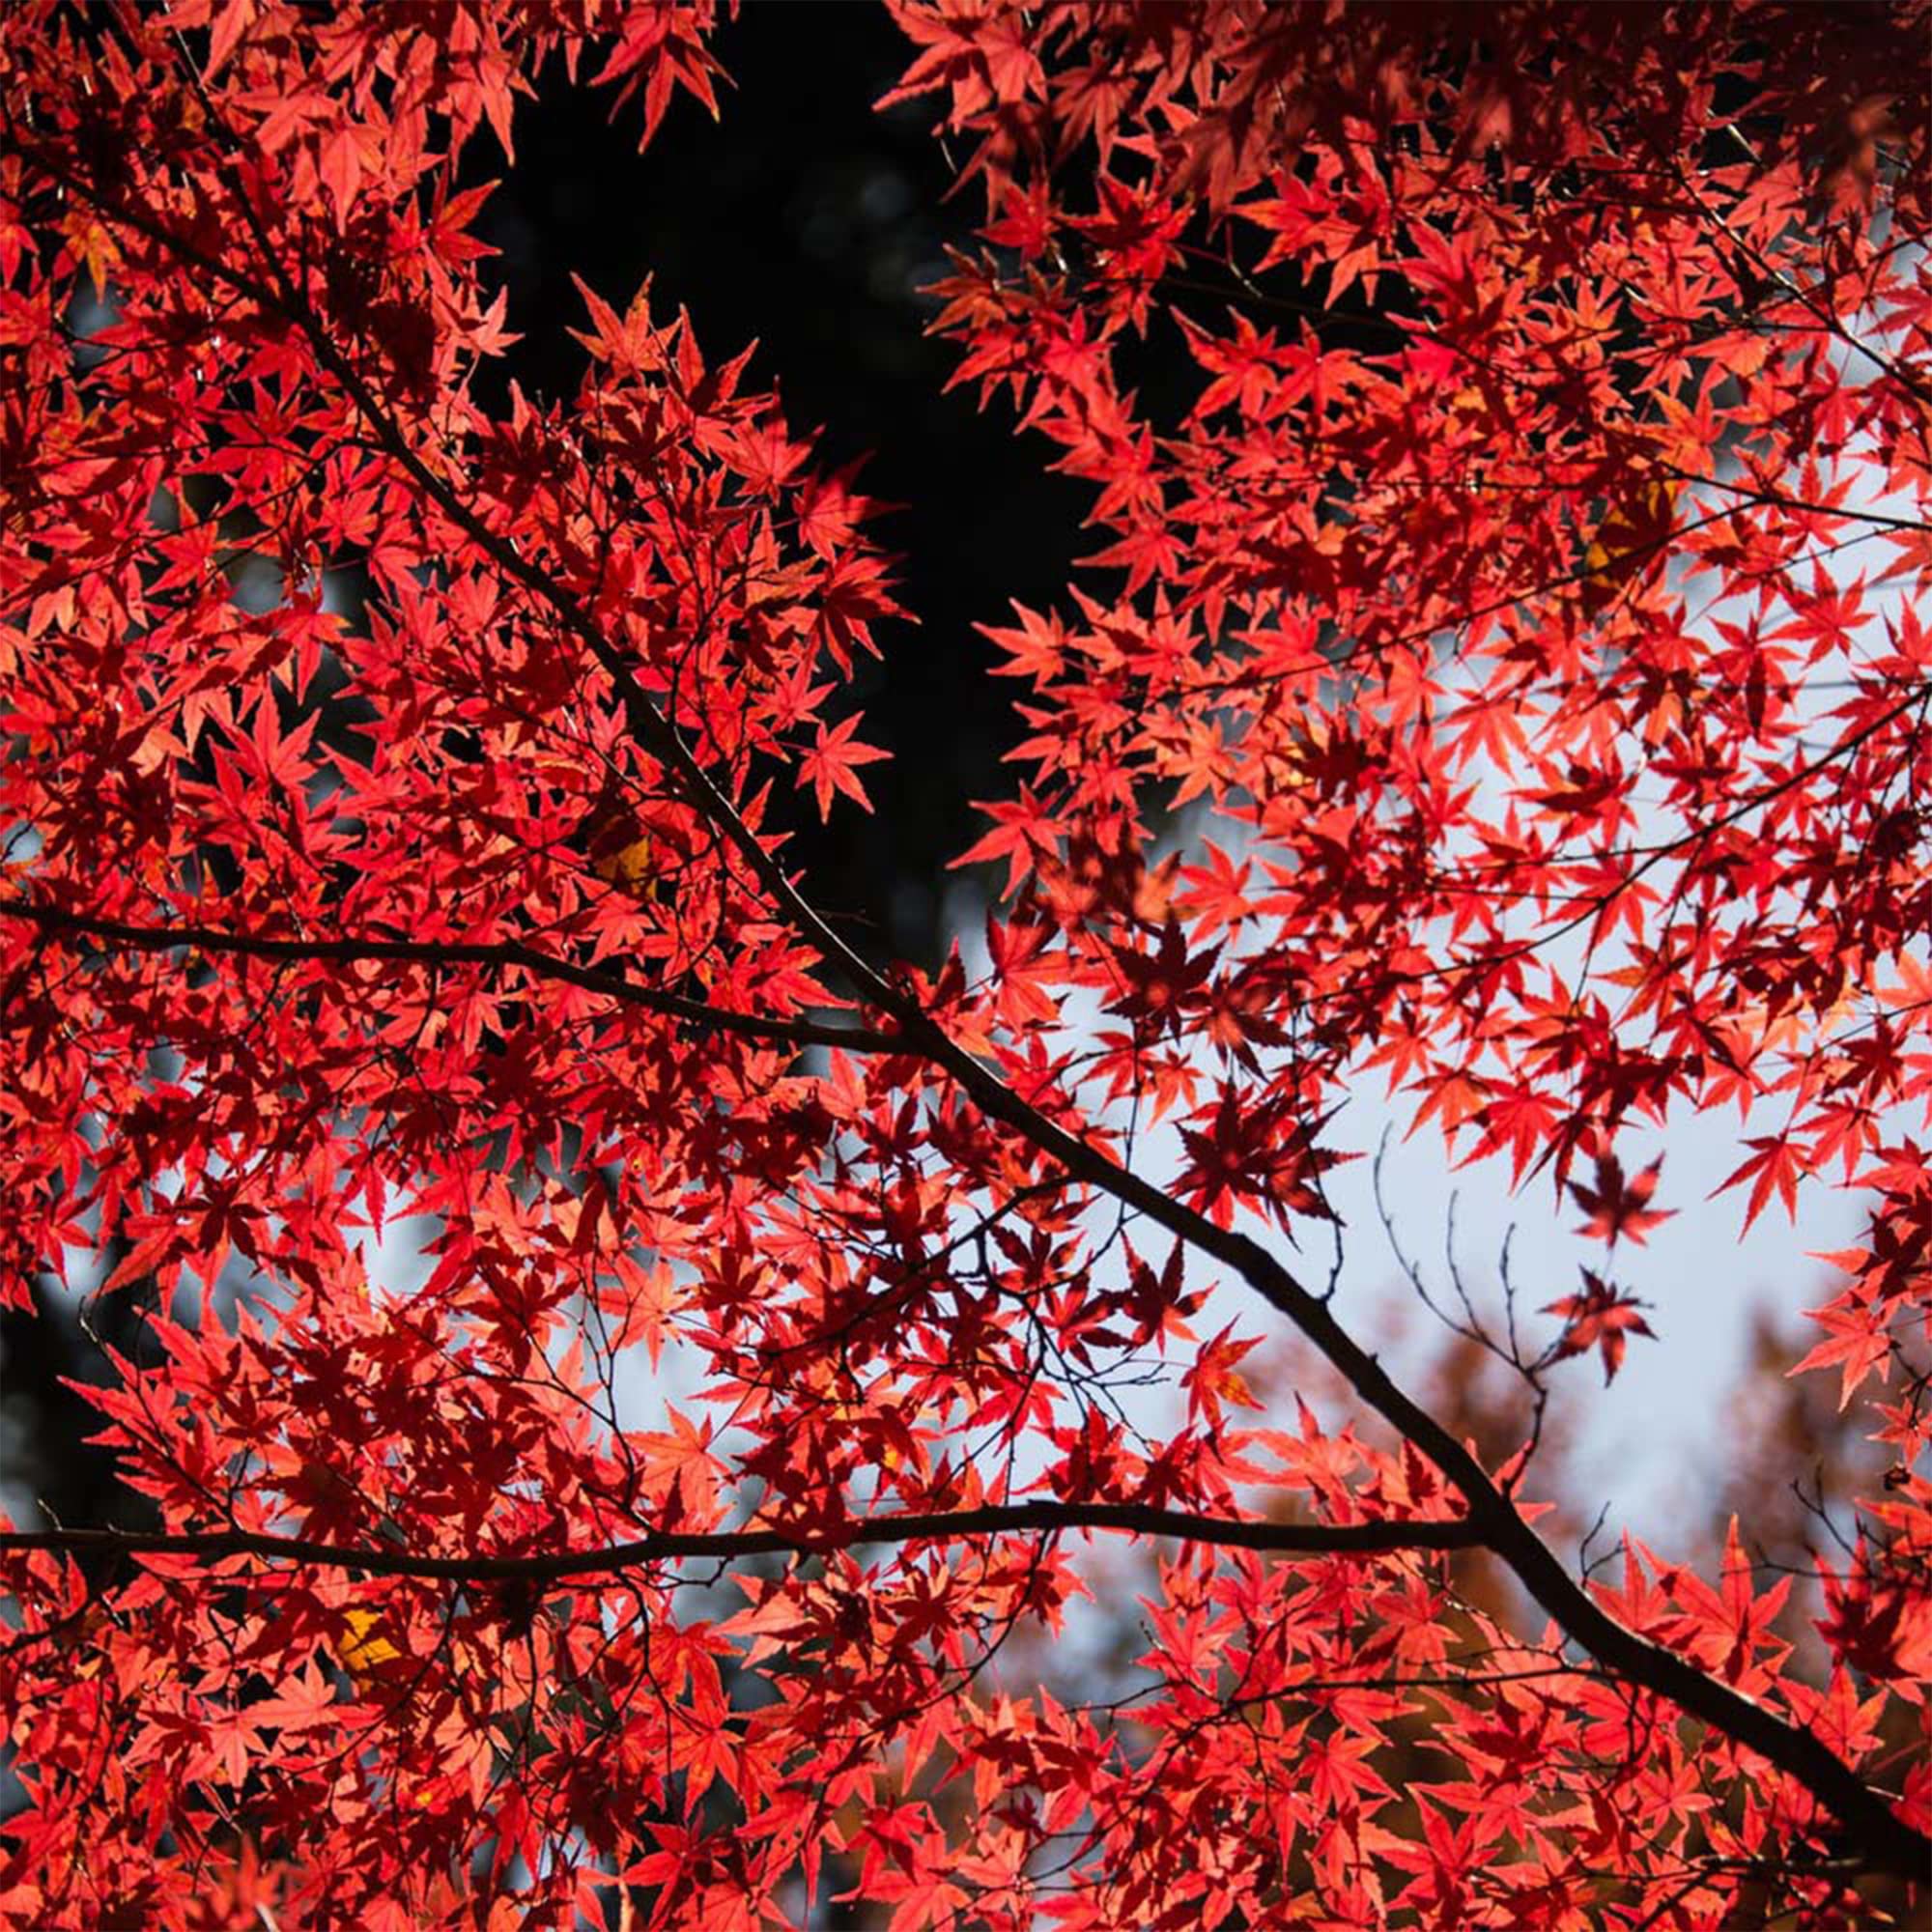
1499 679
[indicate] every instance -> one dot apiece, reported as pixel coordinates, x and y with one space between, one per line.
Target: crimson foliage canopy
1497 682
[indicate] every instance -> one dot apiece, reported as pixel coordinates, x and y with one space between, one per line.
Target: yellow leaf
361 1647
1631 538
628 867
620 851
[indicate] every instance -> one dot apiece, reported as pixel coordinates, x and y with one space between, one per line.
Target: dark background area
806 220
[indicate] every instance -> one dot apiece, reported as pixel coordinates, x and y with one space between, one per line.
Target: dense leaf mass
1501 678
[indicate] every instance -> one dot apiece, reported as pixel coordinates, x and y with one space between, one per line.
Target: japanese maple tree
1498 681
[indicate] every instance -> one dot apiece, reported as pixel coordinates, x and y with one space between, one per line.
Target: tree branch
454 953
1043 1518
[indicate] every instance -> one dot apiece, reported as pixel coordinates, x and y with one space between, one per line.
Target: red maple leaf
828 767
1600 1318
1618 1207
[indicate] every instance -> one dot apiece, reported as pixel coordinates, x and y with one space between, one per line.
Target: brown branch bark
454 953
1040 1516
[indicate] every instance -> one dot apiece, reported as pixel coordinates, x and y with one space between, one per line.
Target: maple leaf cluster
1499 679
